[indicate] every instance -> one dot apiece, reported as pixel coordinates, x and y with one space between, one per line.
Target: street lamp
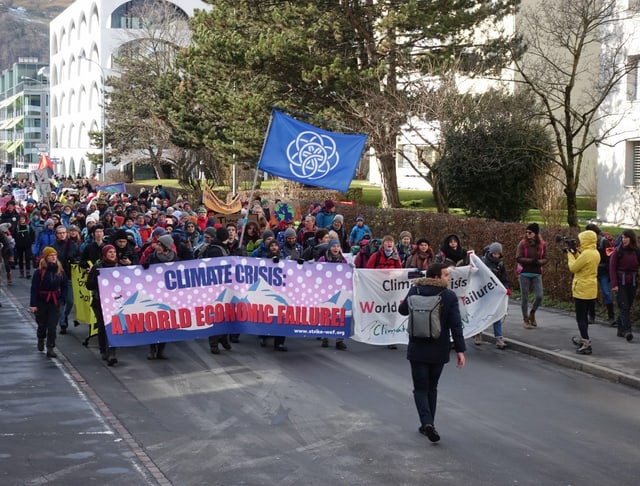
104 101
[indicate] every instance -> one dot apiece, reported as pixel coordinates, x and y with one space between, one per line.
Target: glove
275 259
145 265
300 261
508 291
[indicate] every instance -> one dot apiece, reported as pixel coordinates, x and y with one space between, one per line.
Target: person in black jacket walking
428 356
25 238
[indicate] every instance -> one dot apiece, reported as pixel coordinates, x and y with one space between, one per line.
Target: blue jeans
425 389
605 287
497 329
535 284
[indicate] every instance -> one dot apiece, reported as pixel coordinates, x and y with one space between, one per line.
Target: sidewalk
613 357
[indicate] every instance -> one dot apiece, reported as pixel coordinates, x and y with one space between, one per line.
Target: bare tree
574 59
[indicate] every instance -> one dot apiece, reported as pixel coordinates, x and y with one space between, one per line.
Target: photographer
583 263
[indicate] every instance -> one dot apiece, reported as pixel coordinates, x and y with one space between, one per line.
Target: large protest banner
197 298
377 293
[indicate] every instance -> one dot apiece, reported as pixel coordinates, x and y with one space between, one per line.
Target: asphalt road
312 416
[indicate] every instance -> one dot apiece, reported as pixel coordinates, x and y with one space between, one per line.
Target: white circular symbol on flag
312 156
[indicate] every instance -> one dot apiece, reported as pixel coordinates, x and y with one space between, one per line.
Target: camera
570 244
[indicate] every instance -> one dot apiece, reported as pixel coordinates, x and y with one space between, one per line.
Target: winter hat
267 234
158 232
495 248
48 222
49 251
360 218
119 235
289 232
403 234
222 234
105 249
211 231
422 240
329 204
339 217
534 227
166 241
74 227
334 242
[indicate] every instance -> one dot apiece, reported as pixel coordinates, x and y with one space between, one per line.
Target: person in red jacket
387 256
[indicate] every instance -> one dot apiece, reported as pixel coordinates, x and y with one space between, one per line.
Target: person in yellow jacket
583 263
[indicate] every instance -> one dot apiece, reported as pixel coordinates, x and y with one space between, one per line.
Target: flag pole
255 180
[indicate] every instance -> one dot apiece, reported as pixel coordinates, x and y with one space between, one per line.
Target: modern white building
24 114
619 152
83 41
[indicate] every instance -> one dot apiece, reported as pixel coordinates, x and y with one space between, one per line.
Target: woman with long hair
48 289
623 273
421 256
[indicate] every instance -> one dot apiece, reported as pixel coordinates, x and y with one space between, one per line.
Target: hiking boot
527 323
325 343
629 336
153 351
500 344
477 339
577 341
226 345
532 319
63 329
51 353
111 358
214 349
585 347
160 354
341 345
40 344
430 431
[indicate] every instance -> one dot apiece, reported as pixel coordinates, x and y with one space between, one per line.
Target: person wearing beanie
48 290
291 249
492 258
583 264
605 248
358 231
325 217
333 255
421 256
263 248
404 246
108 259
343 236
47 237
163 250
531 257
92 251
125 246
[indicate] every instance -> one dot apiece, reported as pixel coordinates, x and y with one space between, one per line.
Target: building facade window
633 157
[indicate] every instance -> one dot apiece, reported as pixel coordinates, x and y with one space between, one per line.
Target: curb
569 362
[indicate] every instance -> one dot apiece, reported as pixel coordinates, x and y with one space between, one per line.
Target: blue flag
303 153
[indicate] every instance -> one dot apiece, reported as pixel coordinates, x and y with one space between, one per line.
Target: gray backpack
424 316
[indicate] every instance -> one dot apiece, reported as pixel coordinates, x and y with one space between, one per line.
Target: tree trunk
572 199
390 194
